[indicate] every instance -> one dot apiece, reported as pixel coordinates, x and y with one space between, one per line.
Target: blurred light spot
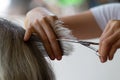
4 5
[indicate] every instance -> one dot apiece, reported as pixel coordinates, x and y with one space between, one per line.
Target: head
21 60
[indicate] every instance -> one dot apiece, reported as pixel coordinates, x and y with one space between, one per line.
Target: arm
83 25
39 21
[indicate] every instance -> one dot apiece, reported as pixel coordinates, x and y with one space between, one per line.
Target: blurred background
82 64
59 7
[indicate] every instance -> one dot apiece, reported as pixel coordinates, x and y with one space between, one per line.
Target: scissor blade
93 43
69 40
76 41
84 43
79 41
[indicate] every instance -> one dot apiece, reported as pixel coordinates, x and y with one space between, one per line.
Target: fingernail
52 58
59 57
25 39
102 59
110 58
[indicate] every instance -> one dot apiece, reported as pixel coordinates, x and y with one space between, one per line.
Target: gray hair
21 60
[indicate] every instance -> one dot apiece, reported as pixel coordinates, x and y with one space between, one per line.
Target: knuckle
106 42
28 13
49 16
55 18
52 17
43 19
35 22
102 38
115 24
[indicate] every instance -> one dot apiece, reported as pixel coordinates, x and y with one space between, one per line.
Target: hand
39 21
110 40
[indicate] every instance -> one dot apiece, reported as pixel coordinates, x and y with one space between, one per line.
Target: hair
21 60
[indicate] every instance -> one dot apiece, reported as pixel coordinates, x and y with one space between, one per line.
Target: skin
110 40
40 24
83 26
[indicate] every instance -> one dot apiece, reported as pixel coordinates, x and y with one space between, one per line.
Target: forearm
83 25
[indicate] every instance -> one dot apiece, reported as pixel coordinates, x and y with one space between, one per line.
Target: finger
113 49
26 23
103 59
45 40
52 19
107 45
27 34
104 35
104 48
108 31
112 26
52 38
104 52
112 52
107 26
28 31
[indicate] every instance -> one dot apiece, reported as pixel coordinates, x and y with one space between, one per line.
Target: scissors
84 43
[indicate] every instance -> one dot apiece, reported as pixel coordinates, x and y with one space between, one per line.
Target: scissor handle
88 43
